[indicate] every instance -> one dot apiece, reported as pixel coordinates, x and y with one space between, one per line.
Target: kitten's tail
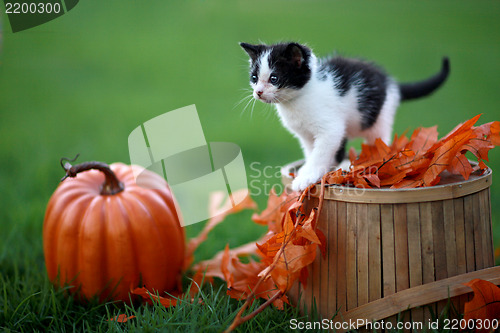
423 88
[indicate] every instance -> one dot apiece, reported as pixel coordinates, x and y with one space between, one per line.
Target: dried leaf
290 264
272 216
460 128
494 136
121 318
168 301
307 231
445 153
486 302
373 179
460 165
422 139
419 161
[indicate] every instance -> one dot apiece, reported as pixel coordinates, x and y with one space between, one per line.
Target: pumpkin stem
111 183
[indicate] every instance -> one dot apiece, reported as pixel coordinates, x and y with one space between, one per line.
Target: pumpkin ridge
133 241
123 266
140 199
153 200
80 205
86 276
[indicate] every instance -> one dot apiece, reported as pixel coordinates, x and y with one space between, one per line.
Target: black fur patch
370 81
339 156
289 62
291 72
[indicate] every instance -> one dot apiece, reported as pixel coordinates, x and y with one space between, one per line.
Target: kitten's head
277 72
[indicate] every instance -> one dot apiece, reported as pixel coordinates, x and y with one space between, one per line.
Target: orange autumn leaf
398 143
290 263
121 318
443 155
486 301
306 230
420 160
167 301
373 179
460 165
494 136
276 208
479 147
335 177
352 154
460 128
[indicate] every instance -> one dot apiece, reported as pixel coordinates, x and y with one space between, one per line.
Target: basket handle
418 296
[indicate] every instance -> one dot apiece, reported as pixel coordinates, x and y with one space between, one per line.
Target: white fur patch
264 69
263 90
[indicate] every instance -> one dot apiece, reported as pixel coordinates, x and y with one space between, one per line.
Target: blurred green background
83 82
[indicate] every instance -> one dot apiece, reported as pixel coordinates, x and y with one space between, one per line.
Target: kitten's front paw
305 178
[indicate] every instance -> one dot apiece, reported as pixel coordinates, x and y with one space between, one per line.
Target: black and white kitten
324 102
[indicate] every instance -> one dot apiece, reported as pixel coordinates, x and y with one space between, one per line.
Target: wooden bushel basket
389 251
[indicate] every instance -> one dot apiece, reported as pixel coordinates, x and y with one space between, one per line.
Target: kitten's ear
252 50
294 53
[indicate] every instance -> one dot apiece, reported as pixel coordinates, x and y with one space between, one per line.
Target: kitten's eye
273 79
253 78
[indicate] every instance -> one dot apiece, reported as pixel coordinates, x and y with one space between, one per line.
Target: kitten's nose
259 92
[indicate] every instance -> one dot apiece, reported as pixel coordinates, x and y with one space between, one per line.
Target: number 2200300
471 324
32 8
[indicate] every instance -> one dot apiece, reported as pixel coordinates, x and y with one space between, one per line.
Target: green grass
83 82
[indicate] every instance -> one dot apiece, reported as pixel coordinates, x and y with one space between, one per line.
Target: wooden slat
351 260
469 233
490 243
374 253
478 233
332 257
388 262
427 242
458 213
312 286
427 248
362 252
486 225
458 207
316 281
419 296
326 223
439 240
451 244
342 246
449 238
401 243
490 226
438 237
414 254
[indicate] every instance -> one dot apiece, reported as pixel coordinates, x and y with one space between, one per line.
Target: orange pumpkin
103 234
